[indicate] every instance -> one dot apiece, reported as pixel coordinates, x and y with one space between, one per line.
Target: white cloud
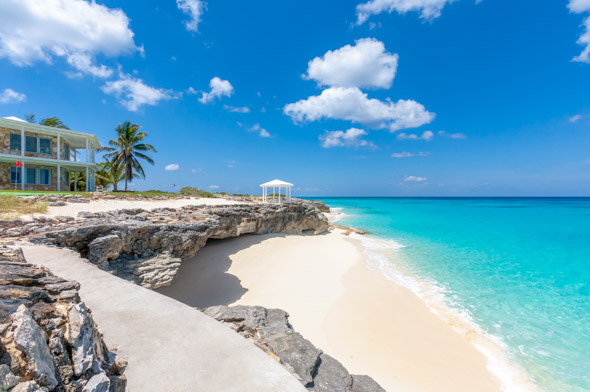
239 109
11 96
575 118
213 186
352 104
83 63
457 135
261 131
77 30
133 92
409 154
219 88
172 167
426 135
579 7
429 9
191 91
415 179
366 64
194 9
349 138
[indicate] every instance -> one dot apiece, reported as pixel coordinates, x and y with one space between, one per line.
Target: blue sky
342 98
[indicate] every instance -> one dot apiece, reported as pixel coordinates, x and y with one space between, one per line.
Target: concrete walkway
170 346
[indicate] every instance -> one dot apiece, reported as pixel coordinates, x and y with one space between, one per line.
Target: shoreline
511 375
324 283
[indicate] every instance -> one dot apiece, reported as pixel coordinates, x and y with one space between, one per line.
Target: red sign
18 164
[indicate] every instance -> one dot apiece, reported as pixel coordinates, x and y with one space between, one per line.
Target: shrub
195 192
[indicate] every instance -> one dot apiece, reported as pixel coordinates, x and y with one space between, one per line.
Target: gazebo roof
276 183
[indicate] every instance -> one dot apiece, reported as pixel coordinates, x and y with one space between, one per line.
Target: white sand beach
103 205
370 324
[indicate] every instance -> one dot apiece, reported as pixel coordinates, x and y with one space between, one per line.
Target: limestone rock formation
269 329
147 247
48 339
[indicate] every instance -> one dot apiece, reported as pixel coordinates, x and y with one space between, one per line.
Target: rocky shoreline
147 247
48 338
270 330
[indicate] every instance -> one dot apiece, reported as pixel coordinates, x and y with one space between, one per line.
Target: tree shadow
202 280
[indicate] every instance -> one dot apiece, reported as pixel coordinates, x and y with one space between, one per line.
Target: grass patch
151 193
11 207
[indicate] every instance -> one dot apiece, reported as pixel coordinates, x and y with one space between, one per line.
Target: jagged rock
269 329
98 383
31 345
103 249
83 337
148 247
331 376
47 336
7 379
29 386
56 203
365 384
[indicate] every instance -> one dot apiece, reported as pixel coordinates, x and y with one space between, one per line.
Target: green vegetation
126 150
110 173
11 207
39 193
195 192
54 122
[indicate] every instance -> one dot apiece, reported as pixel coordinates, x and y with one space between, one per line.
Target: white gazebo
274 184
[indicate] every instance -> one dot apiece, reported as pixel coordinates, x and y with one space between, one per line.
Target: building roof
277 183
77 139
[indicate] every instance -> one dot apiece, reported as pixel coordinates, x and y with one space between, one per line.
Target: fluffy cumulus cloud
11 96
134 93
351 104
261 131
76 30
406 154
457 135
219 88
428 9
194 10
426 135
415 179
349 138
366 64
580 7
172 167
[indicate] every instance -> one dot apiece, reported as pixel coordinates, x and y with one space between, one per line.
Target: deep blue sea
516 270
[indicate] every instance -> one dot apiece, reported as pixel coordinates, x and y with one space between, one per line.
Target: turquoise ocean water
515 271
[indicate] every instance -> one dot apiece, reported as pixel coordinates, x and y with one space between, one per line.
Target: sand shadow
202 279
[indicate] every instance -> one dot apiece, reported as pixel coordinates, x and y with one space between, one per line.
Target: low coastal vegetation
11 207
195 192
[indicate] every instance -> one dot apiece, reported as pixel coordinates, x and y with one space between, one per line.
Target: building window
30 144
66 152
30 176
44 176
44 146
15 173
15 142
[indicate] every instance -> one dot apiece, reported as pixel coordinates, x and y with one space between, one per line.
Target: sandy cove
370 324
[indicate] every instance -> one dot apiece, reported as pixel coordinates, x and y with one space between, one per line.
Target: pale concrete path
170 346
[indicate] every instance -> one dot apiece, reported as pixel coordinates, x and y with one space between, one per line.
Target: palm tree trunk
125 183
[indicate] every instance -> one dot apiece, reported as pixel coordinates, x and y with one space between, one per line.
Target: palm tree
48 122
127 148
110 173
